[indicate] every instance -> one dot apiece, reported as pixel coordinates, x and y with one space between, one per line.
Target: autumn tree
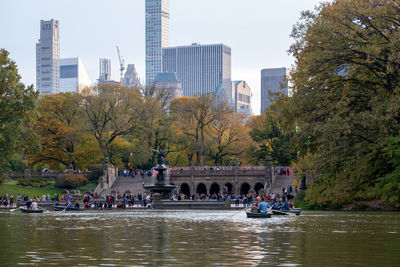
111 111
17 110
193 117
228 138
58 128
346 96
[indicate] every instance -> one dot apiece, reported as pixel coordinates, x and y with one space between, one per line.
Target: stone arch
258 186
201 189
244 189
185 189
214 189
228 188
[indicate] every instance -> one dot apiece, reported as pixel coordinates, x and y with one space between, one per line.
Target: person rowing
263 207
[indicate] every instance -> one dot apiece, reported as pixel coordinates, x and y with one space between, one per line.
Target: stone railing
210 171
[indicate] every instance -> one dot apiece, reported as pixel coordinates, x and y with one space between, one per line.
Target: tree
111 111
193 117
17 110
228 138
346 95
272 135
58 125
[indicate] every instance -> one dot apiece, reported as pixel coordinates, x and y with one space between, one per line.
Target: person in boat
285 206
68 203
28 204
291 205
258 201
275 204
34 205
263 207
77 205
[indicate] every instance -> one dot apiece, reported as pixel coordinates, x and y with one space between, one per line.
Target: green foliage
346 99
17 105
35 182
389 186
274 138
71 180
300 201
16 163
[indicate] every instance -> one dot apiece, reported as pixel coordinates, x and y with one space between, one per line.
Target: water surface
199 238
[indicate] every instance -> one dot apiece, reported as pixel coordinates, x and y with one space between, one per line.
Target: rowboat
281 212
25 210
58 208
258 215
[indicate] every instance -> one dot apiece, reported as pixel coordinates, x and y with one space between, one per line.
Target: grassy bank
11 188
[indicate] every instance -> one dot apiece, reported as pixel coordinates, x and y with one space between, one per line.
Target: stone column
268 175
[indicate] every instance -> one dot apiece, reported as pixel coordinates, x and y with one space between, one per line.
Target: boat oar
43 209
12 210
286 213
230 216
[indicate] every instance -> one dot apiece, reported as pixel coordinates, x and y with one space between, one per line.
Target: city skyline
257 33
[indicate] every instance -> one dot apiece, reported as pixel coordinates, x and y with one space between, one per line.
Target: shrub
34 182
71 180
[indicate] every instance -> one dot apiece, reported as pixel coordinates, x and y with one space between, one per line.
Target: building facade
157 36
169 81
272 81
48 58
104 69
73 76
131 78
241 98
202 69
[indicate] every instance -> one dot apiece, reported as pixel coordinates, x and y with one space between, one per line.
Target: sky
258 32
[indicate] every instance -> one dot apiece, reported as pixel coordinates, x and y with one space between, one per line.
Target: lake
199 238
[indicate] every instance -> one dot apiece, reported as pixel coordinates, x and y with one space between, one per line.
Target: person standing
6 200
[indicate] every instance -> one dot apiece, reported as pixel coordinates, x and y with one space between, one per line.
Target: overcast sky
256 30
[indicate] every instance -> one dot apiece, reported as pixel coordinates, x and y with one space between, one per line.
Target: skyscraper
241 97
272 81
157 36
131 78
48 58
104 69
73 76
202 69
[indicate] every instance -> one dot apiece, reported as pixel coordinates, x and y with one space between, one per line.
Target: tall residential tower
48 58
157 36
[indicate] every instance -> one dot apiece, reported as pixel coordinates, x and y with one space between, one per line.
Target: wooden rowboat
258 215
58 208
25 210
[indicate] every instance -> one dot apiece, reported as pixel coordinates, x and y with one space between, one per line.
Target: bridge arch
258 186
201 189
214 189
244 189
228 188
185 189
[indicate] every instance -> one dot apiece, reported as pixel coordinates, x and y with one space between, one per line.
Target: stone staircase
123 184
280 182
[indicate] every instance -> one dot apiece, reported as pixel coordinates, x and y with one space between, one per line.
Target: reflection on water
199 238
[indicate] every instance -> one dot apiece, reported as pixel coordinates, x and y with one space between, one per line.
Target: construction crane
121 66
